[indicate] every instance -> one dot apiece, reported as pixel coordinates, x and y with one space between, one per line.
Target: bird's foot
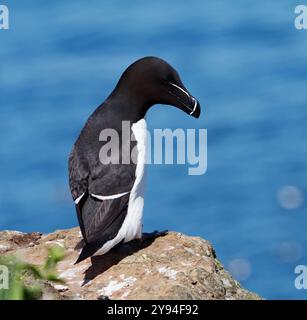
153 235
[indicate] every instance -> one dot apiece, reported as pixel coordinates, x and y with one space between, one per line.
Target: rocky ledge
169 266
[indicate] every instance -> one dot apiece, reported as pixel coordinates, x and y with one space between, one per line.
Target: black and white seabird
109 198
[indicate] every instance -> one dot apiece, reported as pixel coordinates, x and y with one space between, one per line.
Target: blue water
243 60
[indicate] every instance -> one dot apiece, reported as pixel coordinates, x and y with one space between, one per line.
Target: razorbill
109 197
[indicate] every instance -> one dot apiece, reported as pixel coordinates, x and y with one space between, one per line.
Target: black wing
78 182
99 220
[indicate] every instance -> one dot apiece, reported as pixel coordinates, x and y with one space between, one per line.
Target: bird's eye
165 81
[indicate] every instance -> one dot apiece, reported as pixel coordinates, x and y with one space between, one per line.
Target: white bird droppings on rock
57 242
168 272
3 248
114 286
189 250
72 273
226 282
170 248
60 287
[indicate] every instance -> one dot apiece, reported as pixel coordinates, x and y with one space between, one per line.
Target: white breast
132 225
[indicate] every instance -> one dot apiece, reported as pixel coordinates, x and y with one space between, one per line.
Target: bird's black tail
100 222
87 251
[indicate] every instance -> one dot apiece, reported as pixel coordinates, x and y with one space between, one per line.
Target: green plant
25 278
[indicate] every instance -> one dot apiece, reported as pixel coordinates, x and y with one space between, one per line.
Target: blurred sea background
243 60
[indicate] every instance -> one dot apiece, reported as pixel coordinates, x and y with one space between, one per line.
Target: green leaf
19 271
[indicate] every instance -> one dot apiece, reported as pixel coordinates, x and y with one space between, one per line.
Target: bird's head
152 81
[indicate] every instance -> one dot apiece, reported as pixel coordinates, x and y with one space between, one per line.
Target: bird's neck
130 106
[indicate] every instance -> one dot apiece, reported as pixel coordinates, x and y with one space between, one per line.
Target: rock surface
170 266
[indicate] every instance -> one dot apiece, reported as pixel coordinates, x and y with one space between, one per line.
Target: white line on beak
195 105
175 85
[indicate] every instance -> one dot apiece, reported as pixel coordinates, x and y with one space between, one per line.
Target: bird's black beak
184 100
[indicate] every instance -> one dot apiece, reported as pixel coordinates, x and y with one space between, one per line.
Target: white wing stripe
113 196
79 198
